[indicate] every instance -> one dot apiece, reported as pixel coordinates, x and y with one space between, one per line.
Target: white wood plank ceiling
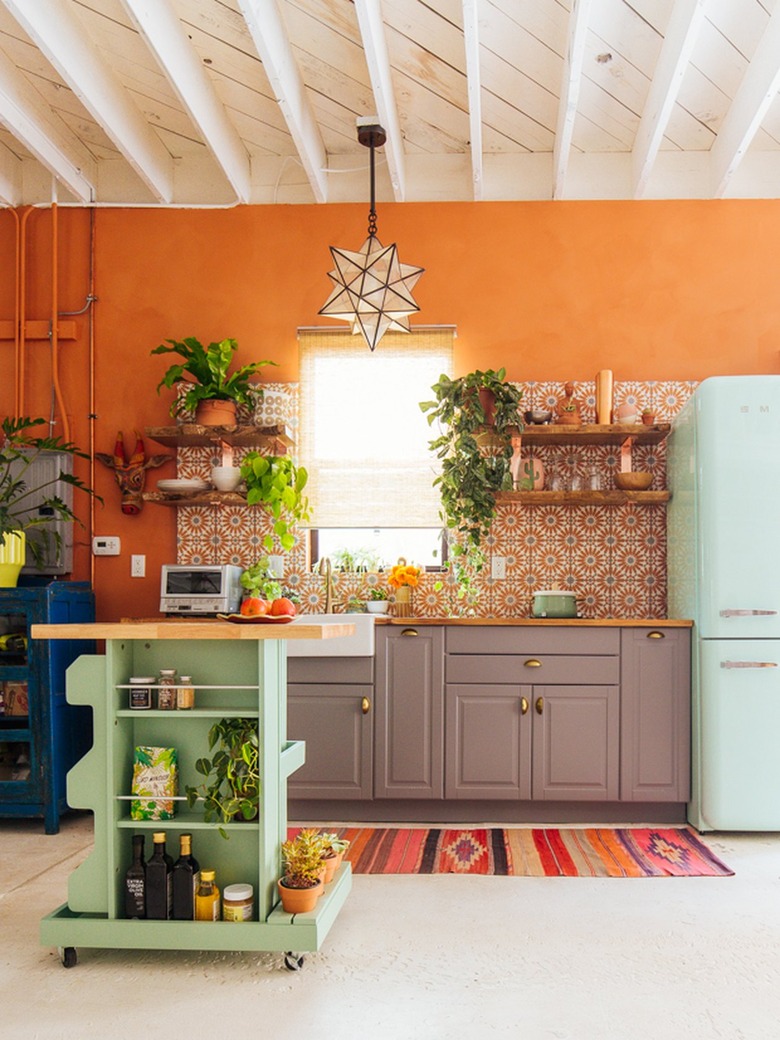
218 102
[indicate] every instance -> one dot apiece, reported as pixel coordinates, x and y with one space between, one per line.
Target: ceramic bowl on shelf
538 416
226 478
636 480
182 485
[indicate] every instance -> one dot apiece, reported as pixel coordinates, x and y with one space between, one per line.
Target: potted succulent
27 506
275 482
301 883
231 789
648 416
333 849
209 385
471 476
376 600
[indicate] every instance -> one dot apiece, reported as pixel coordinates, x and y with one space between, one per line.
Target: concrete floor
423 958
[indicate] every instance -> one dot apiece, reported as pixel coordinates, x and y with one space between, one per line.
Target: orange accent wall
652 290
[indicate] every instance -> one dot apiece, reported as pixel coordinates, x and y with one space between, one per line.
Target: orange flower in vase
402 579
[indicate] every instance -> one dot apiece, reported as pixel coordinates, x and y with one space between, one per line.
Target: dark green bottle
186 876
159 881
135 881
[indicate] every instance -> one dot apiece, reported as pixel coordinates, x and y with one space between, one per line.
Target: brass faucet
326 568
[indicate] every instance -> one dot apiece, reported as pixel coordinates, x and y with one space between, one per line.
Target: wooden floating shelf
584 498
195 435
616 434
196 498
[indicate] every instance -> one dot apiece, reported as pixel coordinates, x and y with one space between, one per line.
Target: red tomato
253 605
282 606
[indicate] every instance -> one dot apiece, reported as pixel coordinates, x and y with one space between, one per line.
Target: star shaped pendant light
372 288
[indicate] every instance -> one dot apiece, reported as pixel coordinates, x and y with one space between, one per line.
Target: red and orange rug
591 852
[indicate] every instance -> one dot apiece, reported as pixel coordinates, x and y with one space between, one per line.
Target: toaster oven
200 588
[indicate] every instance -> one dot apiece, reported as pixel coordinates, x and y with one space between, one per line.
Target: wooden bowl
633 481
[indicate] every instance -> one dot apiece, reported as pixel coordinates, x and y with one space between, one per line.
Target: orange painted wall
653 290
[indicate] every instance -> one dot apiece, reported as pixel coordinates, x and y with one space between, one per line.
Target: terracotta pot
332 864
216 413
488 401
12 552
299 900
530 475
569 419
648 420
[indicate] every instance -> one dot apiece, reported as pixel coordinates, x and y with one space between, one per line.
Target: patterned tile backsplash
612 557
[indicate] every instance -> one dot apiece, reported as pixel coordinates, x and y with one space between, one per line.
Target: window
364 440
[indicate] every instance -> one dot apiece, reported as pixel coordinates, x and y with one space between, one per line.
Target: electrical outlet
137 566
105 545
498 567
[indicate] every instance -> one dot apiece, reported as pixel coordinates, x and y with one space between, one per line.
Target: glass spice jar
141 692
185 693
166 690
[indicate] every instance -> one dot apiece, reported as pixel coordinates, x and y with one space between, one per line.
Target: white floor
423 958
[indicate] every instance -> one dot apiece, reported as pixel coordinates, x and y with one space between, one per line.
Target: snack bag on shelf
155 783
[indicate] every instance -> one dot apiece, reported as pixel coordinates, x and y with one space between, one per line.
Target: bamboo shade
363 438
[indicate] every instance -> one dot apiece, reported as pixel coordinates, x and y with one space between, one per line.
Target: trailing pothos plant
471 473
275 482
231 788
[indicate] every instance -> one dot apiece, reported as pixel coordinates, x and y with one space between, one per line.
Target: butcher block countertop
208 628
545 622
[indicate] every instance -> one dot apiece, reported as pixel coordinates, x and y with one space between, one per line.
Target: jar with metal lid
141 692
185 693
238 903
166 690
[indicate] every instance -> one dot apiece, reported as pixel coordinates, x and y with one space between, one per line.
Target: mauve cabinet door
330 717
656 714
409 724
576 742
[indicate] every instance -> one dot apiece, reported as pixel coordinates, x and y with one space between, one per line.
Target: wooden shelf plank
615 434
584 498
278 437
198 498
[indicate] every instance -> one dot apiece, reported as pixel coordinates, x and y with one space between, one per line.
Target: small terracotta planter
648 418
569 419
299 900
332 864
216 413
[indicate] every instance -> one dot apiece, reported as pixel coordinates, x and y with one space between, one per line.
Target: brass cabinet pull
365 705
523 705
532 663
409 632
656 635
539 705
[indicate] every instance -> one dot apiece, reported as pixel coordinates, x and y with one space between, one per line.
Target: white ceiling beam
10 178
681 34
570 92
474 88
165 35
756 92
372 32
30 123
62 38
273 46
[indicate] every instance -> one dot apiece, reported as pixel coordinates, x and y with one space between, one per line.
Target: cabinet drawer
330 669
514 639
522 668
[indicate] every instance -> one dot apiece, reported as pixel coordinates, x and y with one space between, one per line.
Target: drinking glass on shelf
594 479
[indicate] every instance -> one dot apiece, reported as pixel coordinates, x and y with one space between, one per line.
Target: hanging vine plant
477 416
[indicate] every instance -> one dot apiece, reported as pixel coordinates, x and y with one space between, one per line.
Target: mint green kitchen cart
237 670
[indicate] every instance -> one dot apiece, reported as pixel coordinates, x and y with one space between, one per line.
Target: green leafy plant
377 594
332 844
232 785
302 859
25 506
471 477
276 483
260 580
206 372
360 560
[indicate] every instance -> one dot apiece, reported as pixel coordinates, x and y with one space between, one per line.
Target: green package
155 783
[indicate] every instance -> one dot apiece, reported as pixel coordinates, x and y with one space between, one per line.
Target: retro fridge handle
748 664
729 612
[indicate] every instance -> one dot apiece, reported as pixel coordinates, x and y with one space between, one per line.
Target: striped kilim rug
592 852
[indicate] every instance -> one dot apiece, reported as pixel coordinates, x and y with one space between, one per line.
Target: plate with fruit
256 611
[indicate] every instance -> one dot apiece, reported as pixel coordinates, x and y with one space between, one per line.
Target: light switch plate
498 567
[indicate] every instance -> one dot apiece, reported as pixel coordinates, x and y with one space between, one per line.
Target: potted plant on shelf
231 790
471 476
648 416
301 883
27 506
333 849
377 600
275 482
212 392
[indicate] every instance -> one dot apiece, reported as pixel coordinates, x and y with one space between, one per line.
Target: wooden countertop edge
546 622
204 629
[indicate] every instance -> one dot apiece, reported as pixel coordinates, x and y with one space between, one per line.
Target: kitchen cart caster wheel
292 961
68 956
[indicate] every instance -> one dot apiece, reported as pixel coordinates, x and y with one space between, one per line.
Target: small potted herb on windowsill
377 601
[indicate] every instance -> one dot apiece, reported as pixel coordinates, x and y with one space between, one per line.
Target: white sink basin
361 644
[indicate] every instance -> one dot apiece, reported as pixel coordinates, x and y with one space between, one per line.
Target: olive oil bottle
135 881
186 878
159 881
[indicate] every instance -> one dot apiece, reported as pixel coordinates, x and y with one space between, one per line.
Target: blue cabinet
41 735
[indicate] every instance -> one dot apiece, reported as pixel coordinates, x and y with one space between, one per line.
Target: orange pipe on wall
22 305
55 362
